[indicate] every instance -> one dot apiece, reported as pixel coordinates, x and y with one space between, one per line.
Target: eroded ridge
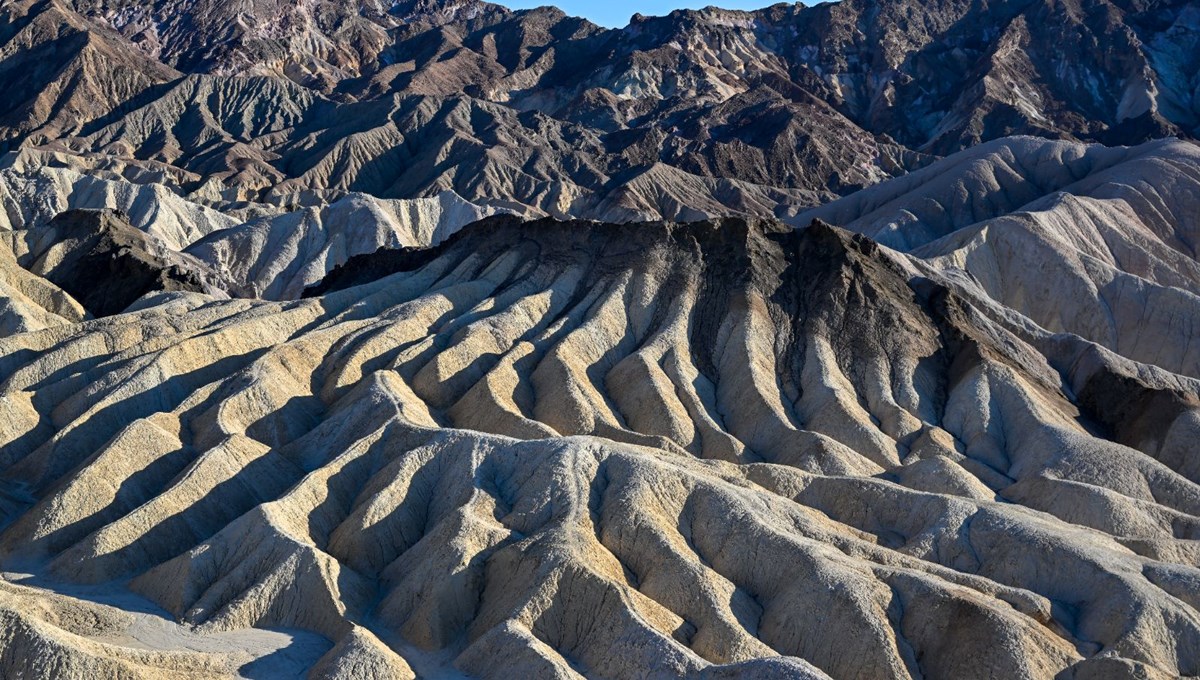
571 449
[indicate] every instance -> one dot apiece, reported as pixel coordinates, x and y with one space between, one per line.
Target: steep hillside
278 257
1093 241
432 339
542 442
288 104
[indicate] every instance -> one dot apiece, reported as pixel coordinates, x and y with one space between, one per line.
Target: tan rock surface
721 449
274 404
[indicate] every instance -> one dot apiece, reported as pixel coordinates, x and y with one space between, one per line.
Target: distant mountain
301 103
722 449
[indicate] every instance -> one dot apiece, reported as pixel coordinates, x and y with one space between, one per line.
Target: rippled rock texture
431 339
553 448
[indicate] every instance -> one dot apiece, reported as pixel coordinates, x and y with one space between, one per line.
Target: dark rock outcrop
106 264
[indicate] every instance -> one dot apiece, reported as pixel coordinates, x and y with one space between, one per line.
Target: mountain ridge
522 355
434 339
543 110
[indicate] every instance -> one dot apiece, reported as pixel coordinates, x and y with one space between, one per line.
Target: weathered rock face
36 193
277 257
258 251
581 449
105 263
301 375
762 113
1092 241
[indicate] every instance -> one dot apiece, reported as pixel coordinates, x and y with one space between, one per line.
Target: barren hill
762 113
607 449
432 339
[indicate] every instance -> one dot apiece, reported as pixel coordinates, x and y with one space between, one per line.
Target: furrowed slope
1094 241
576 449
762 113
278 257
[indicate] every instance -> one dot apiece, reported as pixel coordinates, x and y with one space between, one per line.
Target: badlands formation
436 340
723 448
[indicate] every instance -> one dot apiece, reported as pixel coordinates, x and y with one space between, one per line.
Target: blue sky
616 13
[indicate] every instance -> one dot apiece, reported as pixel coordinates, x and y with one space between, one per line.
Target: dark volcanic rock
106 264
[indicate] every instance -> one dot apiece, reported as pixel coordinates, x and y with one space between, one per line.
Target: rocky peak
106 263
